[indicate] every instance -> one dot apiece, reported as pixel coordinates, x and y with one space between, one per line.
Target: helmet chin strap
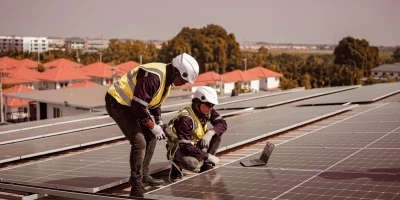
197 104
172 73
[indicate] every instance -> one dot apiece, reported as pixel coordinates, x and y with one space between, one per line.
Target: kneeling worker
189 130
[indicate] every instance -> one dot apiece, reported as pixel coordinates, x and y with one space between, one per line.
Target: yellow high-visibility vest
123 89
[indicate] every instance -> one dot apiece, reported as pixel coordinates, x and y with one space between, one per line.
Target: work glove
212 159
160 122
205 141
158 132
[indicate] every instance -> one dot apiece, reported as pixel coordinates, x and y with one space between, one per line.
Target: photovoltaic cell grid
52 130
41 146
51 121
90 171
363 94
285 98
83 169
308 170
31 148
228 100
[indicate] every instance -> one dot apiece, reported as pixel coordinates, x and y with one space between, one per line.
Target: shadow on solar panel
375 174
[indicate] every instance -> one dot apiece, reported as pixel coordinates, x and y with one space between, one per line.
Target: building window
109 81
56 113
376 73
276 78
391 74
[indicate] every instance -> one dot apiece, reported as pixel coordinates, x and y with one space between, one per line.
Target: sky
273 21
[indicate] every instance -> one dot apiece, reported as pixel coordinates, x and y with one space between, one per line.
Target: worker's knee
191 163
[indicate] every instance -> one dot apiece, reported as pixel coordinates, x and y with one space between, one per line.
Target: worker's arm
183 127
219 124
156 112
146 87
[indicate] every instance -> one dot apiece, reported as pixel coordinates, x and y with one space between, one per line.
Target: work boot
152 181
206 167
175 173
137 192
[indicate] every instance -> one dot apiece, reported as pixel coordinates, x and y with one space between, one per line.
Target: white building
31 44
240 79
75 43
385 71
270 80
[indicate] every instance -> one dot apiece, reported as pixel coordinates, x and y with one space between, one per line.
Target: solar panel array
51 122
47 131
284 98
355 158
99 167
170 107
365 94
295 163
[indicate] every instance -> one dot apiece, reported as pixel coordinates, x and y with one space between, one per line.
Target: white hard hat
187 66
206 94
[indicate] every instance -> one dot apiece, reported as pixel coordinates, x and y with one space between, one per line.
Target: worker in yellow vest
133 98
193 143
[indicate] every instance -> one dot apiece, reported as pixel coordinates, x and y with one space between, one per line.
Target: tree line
217 50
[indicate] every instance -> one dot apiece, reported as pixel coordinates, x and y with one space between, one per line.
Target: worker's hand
158 132
205 141
212 159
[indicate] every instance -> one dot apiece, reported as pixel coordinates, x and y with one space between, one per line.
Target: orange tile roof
97 69
263 72
28 63
82 84
238 76
13 102
208 77
127 66
63 73
8 63
62 62
20 75
119 72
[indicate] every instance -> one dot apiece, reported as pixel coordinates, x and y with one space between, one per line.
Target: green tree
213 48
357 53
396 55
306 81
41 67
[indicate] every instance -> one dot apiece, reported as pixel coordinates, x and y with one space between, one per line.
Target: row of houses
62 73
387 71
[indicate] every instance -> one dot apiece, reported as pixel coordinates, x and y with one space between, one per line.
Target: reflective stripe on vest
198 130
132 85
122 93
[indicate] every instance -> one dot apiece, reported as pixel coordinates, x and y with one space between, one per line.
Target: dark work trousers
191 163
143 141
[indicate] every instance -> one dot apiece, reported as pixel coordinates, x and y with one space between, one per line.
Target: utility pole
77 56
245 64
2 75
101 50
140 57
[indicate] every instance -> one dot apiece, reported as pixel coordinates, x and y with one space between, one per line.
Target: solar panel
364 94
89 171
285 98
58 143
228 100
318 165
50 122
98 171
47 131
